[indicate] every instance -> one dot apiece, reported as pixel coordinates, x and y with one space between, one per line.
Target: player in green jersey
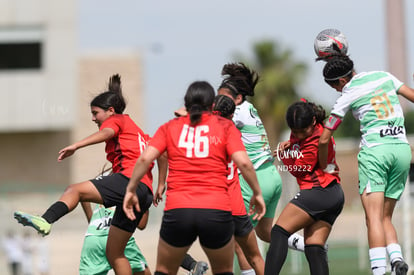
238 83
93 260
385 155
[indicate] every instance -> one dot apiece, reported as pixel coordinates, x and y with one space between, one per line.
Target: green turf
343 259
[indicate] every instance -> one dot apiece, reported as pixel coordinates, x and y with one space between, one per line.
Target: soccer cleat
399 268
199 269
38 223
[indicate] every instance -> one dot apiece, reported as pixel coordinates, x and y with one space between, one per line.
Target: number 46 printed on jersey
195 141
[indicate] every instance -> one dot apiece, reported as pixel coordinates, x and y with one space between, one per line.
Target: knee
71 188
263 233
263 236
315 253
279 231
74 190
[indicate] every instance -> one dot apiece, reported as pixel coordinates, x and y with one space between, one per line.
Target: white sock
378 259
248 272
394 252
296 242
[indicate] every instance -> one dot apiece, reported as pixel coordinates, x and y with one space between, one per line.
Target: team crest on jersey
255 116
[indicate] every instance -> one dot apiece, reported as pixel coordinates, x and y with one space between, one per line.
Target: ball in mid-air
330 41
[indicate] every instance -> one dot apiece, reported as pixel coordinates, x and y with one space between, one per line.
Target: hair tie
231 87
338 77
303 100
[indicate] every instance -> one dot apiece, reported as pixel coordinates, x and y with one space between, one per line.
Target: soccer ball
325 41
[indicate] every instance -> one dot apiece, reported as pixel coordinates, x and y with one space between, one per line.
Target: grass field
345 256
343 259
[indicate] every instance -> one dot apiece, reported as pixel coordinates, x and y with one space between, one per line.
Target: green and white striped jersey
372 98
254 135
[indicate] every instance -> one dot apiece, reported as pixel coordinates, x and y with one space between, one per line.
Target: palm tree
280 77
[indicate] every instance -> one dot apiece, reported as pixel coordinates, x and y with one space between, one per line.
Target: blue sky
182 40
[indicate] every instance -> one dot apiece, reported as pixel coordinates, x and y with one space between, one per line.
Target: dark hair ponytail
224 106
300 114
337 66
111 98
198 99
239 79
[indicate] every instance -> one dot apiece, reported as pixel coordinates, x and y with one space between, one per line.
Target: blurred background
56 56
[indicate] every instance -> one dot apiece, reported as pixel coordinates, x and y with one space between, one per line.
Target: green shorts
93 258
271 184
384 168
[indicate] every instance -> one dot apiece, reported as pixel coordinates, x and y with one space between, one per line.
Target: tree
280 77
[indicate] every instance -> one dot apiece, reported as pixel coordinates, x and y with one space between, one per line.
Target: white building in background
38 60
38 78
45 89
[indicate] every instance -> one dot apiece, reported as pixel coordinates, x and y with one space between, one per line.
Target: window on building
21 48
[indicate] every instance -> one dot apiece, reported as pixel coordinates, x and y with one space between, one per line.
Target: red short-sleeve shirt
198 158
125 147
301 160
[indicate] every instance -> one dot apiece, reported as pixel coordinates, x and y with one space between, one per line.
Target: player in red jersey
197 203
124 143
320 200
244 234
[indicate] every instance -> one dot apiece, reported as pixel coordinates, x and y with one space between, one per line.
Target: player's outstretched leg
37 222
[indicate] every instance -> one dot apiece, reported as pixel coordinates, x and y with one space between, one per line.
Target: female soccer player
93 259
320 200
124 143
197 203
238 83
244 232
385 155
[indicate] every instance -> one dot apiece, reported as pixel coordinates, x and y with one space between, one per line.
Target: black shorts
242 225
180 227
321 203
112 189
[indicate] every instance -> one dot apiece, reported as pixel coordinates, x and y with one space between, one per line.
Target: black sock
188 263
276 255
55 212
317 259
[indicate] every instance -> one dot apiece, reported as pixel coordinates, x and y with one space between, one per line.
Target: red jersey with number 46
301 160
198 158
125 147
